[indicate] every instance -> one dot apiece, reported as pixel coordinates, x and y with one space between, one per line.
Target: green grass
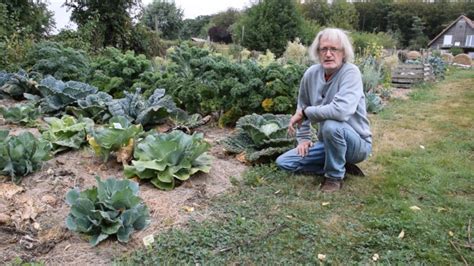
271 217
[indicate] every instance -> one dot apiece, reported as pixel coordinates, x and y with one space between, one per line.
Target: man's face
330 55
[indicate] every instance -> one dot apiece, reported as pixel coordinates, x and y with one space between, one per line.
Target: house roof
468 21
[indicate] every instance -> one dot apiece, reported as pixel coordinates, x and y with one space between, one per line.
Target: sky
191 8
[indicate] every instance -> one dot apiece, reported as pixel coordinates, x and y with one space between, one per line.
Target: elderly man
331 94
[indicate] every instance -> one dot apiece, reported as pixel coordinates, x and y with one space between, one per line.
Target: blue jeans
328 157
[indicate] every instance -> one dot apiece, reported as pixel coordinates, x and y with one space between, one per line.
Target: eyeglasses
330 49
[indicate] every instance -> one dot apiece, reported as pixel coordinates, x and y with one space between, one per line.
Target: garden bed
32 220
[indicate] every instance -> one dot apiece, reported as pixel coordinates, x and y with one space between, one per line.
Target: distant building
460 33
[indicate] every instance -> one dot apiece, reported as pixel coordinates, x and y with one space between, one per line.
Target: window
469 41
448 39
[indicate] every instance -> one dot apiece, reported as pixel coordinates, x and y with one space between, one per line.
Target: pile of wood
405 75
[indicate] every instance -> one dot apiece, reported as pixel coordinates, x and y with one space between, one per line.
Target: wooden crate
405 75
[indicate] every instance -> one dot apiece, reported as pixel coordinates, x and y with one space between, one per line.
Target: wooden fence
405 75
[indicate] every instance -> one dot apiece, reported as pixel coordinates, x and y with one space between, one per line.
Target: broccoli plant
111 208
21 155
117 136
23 114
162 158
260 137
66 133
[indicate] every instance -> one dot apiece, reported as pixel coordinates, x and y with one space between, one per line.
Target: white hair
332 34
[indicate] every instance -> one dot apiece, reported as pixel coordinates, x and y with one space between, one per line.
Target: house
460 33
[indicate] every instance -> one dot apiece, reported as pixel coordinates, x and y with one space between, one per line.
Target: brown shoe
330 185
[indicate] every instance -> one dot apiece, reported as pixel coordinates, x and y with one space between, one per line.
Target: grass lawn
416 205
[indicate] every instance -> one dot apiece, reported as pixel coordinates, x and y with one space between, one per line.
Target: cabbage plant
94 106
67 132
23 114
162 158
117 135
111 208
16 85
22 155
260 137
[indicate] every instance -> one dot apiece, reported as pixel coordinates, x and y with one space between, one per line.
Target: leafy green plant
145 112
114 72
162 158
23 114
21 155
66 133
111 208
438 65
260 137
64 63
15 85
117 135
94 106
374 102
58 94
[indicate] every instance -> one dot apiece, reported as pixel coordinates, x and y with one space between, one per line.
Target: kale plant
111 208
64 63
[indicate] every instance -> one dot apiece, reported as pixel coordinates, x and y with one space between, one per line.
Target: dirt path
32 215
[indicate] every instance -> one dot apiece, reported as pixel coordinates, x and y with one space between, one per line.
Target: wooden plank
398 80
408 72
410 66
402 85
408 76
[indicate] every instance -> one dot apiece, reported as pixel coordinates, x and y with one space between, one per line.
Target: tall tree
316 10
165 17
112 19
25 17
270 24
343 15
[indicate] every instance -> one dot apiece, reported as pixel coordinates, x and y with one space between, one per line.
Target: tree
165 17
343 15
25 17
226 18
270 24
316 10
194 27
113 21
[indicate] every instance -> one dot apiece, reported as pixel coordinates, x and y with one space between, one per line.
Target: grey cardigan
341 99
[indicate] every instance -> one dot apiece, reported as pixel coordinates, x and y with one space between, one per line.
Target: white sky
191 8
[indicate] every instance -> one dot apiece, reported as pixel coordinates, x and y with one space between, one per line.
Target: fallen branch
459 252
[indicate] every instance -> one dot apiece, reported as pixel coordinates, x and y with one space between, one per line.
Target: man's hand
296 119
303 147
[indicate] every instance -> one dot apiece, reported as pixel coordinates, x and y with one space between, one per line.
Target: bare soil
32 215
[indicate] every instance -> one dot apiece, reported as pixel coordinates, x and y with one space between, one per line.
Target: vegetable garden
123 147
